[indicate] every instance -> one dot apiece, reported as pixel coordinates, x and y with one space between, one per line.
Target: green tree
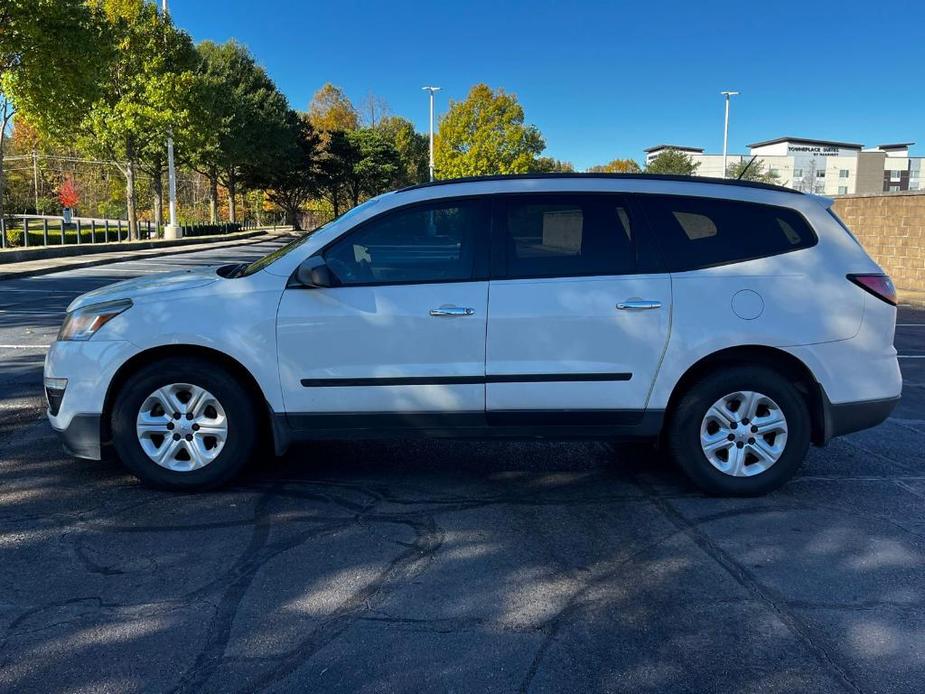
671 161
485 134
294 177
337 157
143 92
374 164
616 166
331 110
754 172
551 165
243 120
412 147
40 75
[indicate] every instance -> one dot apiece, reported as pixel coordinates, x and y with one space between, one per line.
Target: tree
242 120
755 172
485 134
337 157
671 161
551 165
374 164
294 178
40 74
617 166
144 92
375 110
412 148
67 194
331 110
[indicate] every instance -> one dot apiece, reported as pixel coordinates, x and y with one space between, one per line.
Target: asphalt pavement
450 566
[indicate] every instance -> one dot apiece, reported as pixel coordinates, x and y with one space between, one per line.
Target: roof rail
612 176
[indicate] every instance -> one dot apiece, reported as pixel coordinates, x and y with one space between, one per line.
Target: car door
577 321
402 334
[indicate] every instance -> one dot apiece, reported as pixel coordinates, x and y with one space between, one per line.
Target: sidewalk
44 266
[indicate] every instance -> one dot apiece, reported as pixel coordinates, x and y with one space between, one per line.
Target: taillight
881 286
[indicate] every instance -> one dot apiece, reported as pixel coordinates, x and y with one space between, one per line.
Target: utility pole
172 231
725 126
35 178
432 90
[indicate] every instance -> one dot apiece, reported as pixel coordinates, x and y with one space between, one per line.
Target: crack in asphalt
763 594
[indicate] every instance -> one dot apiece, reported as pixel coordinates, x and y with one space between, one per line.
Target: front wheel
742 431
184 424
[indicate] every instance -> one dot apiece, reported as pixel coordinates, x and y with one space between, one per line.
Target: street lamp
432 90
725 127
172 231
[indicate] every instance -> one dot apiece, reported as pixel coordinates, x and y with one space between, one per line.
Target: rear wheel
742 431
184 424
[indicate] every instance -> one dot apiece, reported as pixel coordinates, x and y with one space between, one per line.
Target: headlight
83 323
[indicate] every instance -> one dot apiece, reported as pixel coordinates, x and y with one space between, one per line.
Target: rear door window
565 236
696 233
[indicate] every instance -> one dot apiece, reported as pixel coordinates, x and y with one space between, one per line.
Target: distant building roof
896 145
677 147
805 141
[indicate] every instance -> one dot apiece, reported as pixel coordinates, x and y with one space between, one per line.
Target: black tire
234 398
683 432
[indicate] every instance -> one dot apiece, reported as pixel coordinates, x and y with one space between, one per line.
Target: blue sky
605 79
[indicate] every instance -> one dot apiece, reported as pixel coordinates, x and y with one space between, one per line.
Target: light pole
432 90
172 231
725 126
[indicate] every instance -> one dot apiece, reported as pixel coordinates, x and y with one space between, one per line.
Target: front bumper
82 436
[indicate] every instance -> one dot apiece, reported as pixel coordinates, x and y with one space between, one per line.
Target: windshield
271 258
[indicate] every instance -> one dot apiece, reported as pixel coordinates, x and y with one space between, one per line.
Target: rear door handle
452 311
639 305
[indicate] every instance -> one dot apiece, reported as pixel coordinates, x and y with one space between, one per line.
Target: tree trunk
3 123
213 197
335 203
157 189
292 218
232 193
132 213
2 175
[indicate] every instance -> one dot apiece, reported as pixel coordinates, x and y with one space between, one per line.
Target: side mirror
314 272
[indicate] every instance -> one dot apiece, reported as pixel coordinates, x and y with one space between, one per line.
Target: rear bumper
845 418
81 437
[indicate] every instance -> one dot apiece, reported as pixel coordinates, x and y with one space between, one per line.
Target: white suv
736 321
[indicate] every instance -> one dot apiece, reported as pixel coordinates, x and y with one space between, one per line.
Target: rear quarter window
695 233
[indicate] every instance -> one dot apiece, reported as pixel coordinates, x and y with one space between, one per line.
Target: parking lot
451 566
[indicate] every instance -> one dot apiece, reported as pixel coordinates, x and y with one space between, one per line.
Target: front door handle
639 305
452 311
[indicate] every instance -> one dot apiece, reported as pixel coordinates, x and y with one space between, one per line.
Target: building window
895 175
820 173
820 188
914 185
774 173
894 189
843 173
798 173
842 190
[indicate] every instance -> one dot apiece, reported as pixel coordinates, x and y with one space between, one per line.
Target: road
448 566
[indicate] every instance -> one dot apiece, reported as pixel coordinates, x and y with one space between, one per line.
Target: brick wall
891 226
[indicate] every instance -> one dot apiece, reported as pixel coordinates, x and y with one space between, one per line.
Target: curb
107 258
